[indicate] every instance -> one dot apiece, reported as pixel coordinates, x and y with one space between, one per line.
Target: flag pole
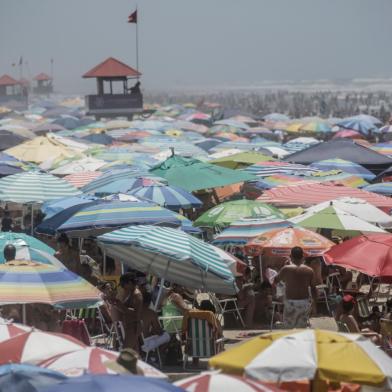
137 42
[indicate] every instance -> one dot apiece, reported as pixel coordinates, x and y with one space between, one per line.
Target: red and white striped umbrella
217 382
81 179
92 360
36 346
10 330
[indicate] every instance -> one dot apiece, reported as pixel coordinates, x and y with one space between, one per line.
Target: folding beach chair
386 333
227 306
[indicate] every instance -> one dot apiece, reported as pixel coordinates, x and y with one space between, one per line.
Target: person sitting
246 297
67 255
136 88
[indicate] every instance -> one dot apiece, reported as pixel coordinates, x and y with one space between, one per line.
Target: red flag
133 17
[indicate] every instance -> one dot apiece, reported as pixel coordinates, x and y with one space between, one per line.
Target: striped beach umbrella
9 330
23 282
34 187
308 355
172 255
243 230
106 216
171 197
345 166
383 188
266 169
383 148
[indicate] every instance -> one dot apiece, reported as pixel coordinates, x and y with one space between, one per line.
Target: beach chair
322 296
227 306
200 340
276 306
147 352
386 333
363 307
342 327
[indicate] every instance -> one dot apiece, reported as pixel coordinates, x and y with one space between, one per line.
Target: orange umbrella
279 242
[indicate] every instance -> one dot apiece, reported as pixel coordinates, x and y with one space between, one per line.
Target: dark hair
63 238
129 277
9 252
147 298
297 253
347 306
207 305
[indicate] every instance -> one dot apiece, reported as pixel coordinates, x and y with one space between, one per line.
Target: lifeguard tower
44 84
111 99
12 93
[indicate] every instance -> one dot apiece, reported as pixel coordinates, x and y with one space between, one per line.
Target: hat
126 363
348 298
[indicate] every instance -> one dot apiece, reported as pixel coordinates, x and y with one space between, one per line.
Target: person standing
299 280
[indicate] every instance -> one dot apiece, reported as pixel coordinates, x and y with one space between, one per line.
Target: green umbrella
192 174
224 214
241 160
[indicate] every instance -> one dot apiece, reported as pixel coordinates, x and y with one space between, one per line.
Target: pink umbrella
216 382
92 360
348 133
36 346
81 179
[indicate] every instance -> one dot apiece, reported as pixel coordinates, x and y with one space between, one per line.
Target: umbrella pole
162 283
24 316
261 269
32 219
104 262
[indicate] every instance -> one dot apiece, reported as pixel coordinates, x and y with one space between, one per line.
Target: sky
193 43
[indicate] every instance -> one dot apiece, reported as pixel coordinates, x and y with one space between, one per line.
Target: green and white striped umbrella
173 255
34 187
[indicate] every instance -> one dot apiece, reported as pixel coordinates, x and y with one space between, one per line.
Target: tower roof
7 80
42 76
111 67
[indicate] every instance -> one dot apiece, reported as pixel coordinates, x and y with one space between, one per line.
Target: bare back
298 279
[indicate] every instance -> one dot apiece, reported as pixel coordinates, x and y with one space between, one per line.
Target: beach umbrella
24 282
34 187
345 166
93 360
27 378
36 346
53 207
19 131
383 148
241 160
8 168
99 138
109 215
171 197
266 169
242 231
9 139
316 127
226 213
192 174
347 134
308 354
276 117
43 129
217 382
370 254
208 144
172 255
279 242
79 180
9 330
382 188
362 126
232 123
330 216
113 383
368 118
68 122
78 166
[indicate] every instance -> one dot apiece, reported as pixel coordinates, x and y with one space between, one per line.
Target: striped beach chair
200 340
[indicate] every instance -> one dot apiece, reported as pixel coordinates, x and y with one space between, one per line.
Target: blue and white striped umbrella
34 187
53 207
171 197
383 188
173 255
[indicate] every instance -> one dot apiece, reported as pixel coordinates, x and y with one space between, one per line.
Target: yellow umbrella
294 127
174 132
308 354
39 150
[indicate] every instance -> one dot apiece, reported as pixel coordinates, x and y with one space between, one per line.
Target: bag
174 352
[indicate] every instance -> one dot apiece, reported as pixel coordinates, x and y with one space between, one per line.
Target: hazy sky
199 42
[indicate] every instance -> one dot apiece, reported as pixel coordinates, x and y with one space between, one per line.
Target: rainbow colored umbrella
383 148
316 127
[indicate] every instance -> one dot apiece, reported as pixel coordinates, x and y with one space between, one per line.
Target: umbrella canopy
44 128
109 215
99 138
224 214
81 165
279 242
332 217
23 282
308 354
216 382
383 188
171 197
27 378
9 139
360 125
192 174
9 330
316 127
79 180
348 134
53 207
370 254
345 166
36 346
34 187
242 159
8 168
173 255
92 360
113 383
276 117
242 231
266 169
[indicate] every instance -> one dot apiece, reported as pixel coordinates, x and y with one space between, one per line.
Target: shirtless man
297 278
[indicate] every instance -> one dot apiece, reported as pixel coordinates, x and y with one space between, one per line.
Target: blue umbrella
53 207
107 216
112 383
99 138
67 122
7 169
27 378
277 117
359 125
383 188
